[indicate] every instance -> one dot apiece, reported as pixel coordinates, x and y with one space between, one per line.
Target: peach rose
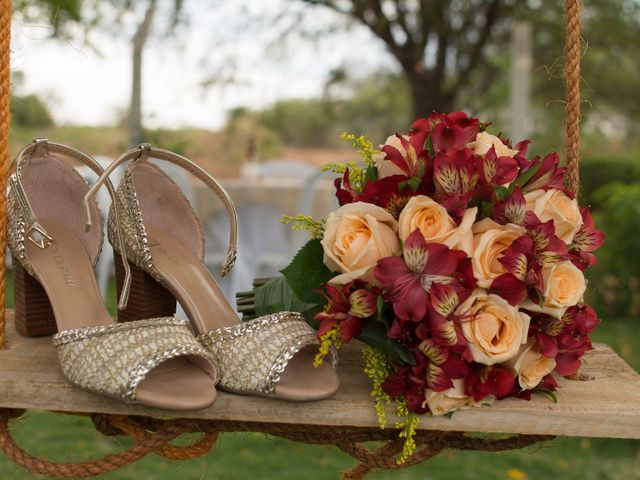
387 168
490 240
441 403
531 366
484 141
557 206
435 224
356 236
494 329
564 287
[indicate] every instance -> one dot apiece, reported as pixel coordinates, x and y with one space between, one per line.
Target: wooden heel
147 297
33 312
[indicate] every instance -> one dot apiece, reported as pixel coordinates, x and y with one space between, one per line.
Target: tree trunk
136 133
428 96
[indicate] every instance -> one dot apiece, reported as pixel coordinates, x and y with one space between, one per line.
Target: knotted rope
154 435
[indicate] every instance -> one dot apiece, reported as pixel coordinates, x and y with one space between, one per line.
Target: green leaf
375 334
307 272
428 145
371 174
276 295
524 178
413 183
486 210
548 393
501 192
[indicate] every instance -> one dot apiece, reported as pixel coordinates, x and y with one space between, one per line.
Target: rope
90 468
572 77
5 38
155 435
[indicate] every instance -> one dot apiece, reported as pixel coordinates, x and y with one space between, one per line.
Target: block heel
33 312
147 297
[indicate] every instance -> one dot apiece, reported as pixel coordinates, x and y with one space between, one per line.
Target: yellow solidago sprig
377 367
357 174
365 148
304 222
330 339
409 421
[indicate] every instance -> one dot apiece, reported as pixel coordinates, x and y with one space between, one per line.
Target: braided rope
5 114
572 77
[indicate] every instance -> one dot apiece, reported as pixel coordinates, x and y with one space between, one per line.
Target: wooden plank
607 405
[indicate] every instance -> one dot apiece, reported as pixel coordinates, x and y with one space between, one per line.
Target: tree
438 44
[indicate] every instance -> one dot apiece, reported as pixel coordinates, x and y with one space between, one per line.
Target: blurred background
258 91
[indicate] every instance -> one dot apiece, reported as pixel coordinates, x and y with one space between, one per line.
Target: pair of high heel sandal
149 356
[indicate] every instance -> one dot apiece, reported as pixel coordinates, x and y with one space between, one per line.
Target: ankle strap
146 151
41 146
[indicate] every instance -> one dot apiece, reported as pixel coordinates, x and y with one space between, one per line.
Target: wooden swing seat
605 402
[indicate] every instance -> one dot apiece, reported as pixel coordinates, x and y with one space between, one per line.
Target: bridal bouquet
458 259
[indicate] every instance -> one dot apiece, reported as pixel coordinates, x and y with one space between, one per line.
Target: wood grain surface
605 405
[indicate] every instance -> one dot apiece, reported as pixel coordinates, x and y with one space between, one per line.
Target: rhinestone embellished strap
113 359
253 355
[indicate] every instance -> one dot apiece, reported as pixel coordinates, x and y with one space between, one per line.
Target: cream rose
531 366
435 224
441 403
484 141
490 241
494 329
564 287
557 206
387 168
356 236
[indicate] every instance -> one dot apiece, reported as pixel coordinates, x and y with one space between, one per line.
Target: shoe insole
66 274
208 309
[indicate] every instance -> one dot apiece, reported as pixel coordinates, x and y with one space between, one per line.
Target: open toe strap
114 359
253 355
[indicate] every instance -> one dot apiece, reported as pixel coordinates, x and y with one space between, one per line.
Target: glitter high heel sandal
156 361
164 243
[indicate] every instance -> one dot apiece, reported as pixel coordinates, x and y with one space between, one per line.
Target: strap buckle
41 240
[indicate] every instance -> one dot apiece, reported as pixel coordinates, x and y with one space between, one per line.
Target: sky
91 86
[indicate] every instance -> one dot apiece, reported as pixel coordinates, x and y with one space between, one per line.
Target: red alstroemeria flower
408 279
409 382
524 260
453 130
345 193
414 161
512 210
350 307
573 340
548 174
456 176
587 240
565 339
444 364
496 170
483 381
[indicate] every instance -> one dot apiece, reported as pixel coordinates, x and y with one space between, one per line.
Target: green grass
240 456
